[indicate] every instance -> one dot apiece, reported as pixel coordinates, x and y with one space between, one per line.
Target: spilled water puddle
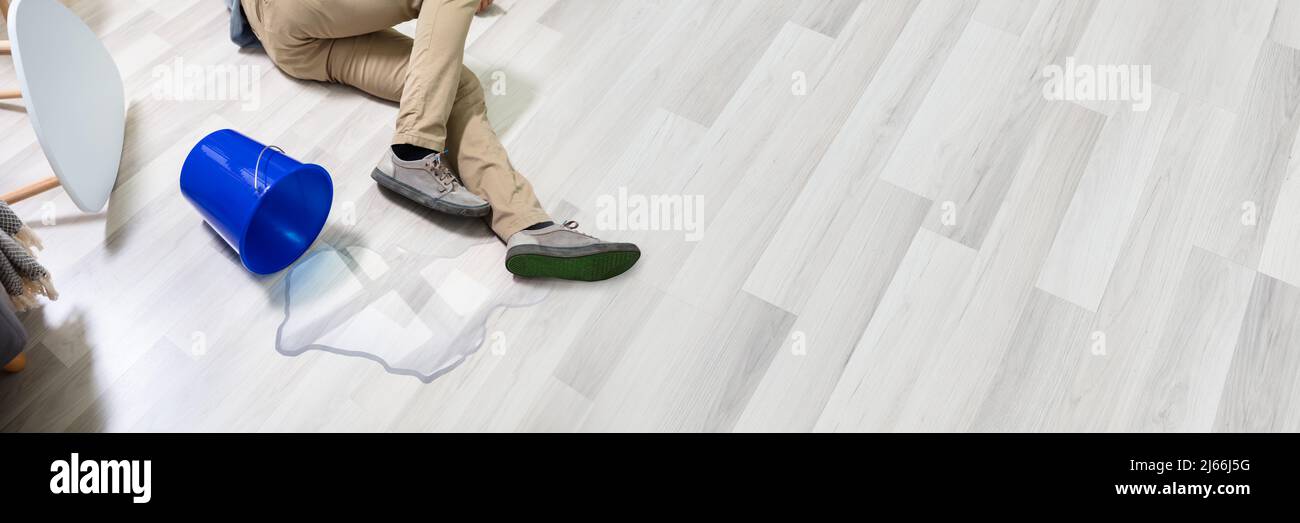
415 314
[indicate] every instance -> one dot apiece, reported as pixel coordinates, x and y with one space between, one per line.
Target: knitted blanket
23 278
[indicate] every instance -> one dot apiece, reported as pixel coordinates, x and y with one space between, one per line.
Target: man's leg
434 76
303 37
351 41
484 166
374 64
333 19
443 108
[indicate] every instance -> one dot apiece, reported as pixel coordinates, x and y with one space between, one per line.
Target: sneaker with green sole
561 252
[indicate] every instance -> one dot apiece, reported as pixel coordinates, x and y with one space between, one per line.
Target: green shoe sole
592 267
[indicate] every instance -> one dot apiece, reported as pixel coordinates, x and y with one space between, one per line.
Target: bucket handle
258 166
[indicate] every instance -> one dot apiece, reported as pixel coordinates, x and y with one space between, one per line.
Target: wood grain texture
1185 379
1260 393
826 16
1142 286
840 304
900 232
1103 207
1011 16
794 259
938 396
1051 341
1286 24
1280 259
978 196
1202 48
1256 161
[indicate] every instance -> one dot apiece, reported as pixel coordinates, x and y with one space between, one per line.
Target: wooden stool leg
5 46
30 190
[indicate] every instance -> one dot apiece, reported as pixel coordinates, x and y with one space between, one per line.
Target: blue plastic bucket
269 207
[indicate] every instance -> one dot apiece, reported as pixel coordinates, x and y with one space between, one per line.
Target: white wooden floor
920 241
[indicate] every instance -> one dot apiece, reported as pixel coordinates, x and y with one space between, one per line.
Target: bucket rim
306 169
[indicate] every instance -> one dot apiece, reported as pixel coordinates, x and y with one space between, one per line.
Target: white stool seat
74 97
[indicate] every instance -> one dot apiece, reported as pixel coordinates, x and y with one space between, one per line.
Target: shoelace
572 226
441 172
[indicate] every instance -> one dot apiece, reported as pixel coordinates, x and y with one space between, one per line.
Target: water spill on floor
416 314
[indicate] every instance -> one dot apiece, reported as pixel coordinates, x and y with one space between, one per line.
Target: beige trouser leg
442 103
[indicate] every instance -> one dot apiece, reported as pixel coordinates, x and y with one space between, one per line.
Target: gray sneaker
560 251
429 182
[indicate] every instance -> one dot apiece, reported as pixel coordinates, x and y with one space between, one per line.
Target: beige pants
442 105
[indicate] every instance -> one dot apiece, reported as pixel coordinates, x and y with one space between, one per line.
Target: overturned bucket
269 207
